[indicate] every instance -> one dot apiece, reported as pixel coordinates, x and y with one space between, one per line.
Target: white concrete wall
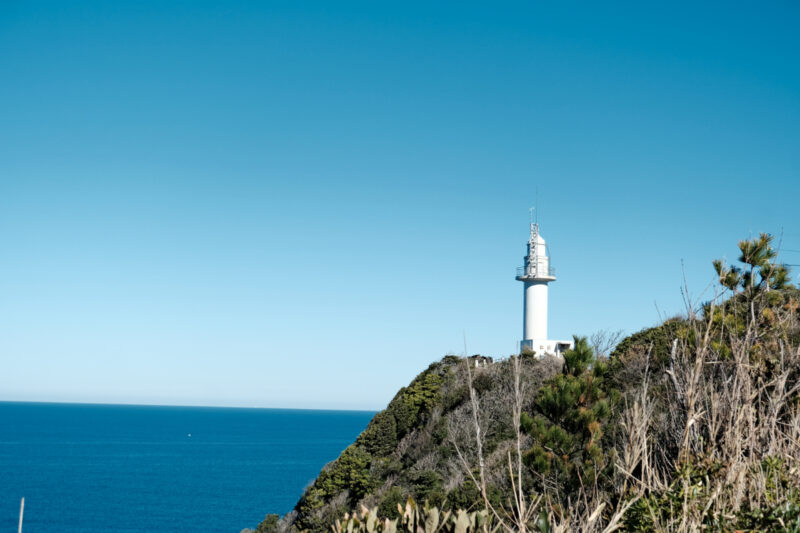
542 347
535 312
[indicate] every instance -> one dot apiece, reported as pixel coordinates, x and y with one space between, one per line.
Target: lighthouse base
540 348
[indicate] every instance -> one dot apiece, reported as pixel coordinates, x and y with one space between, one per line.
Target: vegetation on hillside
690 425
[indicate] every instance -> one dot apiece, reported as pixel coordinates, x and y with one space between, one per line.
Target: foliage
420 397
482 383
731 385
391 503
414 519
694 485
759 271
269 524
412 404
656 340
568 424
760 287
380 437
464 496
427 485
350 472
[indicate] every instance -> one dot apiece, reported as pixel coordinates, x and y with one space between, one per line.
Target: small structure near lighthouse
536 274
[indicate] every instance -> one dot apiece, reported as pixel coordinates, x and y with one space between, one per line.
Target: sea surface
125 468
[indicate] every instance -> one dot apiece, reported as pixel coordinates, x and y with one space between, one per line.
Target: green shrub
412 404
351 472
657 340
385 467
567 427
455 397
380 437
781 511
482 382
440 431
269 524
427 486
464 496
402 413
388 507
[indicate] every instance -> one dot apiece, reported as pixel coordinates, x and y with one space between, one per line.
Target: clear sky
303 204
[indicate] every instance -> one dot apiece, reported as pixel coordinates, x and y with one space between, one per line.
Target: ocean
130 468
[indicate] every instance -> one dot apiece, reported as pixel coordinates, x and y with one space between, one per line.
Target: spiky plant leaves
372 519
462 522
543 524
432 520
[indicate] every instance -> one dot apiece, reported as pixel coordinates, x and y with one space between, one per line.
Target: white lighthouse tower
536 274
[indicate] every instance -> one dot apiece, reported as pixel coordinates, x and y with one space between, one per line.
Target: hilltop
691 424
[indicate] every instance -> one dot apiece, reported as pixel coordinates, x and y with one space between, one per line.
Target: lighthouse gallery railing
551 271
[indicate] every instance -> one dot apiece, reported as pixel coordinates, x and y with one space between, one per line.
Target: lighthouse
536 274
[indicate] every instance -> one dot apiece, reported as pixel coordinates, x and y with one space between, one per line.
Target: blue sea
127 468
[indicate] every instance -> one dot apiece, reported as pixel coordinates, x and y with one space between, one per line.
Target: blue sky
303 204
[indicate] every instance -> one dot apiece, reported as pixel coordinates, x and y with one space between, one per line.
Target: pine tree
759 270
567 423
